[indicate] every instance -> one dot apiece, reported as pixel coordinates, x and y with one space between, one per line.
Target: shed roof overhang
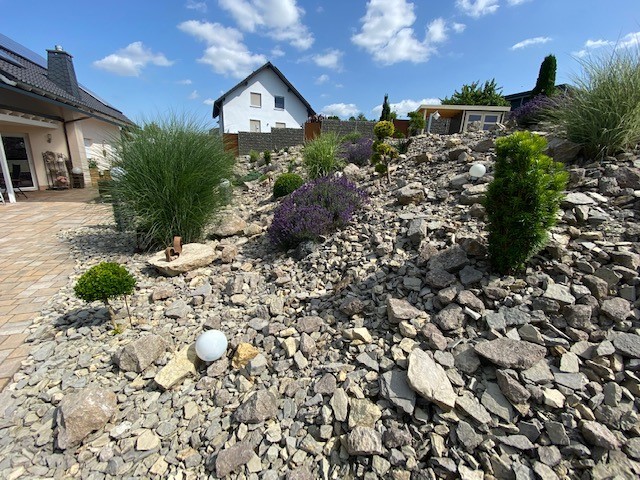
450 111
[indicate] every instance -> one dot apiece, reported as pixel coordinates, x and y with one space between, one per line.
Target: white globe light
76 170
477 170
211 345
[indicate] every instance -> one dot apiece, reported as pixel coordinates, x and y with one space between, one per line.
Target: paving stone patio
34 263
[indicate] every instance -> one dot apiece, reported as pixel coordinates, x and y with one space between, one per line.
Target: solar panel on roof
12 46
10 59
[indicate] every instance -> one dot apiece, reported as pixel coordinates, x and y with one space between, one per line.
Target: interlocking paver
34 263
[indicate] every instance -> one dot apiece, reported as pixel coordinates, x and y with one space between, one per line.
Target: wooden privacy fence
312 130
230 141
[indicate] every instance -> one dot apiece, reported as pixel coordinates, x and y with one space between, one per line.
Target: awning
20 118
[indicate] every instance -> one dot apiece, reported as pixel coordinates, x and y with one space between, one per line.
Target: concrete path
34 263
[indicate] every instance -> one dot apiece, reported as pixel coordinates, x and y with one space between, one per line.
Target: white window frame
482 115
252 123
275 99
281 125
258 96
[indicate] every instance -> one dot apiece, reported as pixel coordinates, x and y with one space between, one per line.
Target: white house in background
262 101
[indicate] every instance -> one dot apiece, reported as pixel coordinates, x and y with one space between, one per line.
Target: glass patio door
19 161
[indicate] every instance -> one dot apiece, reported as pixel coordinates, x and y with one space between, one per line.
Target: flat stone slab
510 353
183 364
430 380
194 255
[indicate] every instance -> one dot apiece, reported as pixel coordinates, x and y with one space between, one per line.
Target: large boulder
83 412
229 226
139 354
194 255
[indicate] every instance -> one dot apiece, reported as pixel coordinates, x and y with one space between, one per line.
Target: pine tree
386 110
546 83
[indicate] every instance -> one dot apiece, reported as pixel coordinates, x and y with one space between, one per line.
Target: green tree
416 123
546 83
522 200
386 110
488 94
361 117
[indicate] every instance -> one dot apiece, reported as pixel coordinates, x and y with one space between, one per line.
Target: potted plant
94 172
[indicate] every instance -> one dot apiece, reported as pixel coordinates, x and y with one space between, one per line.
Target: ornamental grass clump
104 282
602 112
317 208
321 156
173 179
522 200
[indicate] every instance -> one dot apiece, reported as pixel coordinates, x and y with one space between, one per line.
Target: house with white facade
51 126
262 101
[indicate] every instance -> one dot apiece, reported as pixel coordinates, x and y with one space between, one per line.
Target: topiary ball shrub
358 153
286 184
104 282
383 129
522 200
317 208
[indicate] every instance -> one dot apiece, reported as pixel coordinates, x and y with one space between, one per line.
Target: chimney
61 72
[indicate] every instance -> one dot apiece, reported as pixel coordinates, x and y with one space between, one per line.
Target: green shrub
488 94
381 168
416 123
603 112
267 157
321 156
253 156
522 200
286 183
546 83
383 129
105 281
399 135
172 181
385 115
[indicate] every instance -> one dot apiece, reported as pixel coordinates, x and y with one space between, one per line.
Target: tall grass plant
603 112
172 180
321 155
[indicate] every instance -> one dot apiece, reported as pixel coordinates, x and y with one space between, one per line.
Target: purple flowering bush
317 208
533 111
358 152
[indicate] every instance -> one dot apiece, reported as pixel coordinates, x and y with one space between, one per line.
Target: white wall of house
99 139
237 112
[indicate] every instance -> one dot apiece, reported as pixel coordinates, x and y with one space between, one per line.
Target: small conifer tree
386 109
546 83
522 200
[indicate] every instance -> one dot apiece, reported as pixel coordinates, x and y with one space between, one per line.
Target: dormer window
279 103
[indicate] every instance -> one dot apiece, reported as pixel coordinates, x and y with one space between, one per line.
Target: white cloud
477 8
458 27
403 107
630 40
277 52
193 95
199 6
324 78
225 52
387 33
530 41
343 110
279 19
209 101
513 3
186 81
331 59
130 61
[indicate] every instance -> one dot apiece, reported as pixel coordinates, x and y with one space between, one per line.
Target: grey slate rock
628 344
178 309
139 354
519 442
468 404
450 260
439 278
364 441
259 407
557 433
599 435
511 388
465 358
510 353
231 458
395 388
559 293
496 403
399 310
450 318
429 380
617 309
468 436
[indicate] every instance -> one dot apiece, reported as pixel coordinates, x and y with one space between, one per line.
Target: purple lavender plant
317 208
532 112
358 152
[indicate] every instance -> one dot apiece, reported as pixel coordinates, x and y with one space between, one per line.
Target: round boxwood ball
286 183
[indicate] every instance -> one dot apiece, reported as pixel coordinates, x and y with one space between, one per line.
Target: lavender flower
358 153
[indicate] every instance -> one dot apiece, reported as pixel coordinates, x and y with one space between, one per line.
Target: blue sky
149 57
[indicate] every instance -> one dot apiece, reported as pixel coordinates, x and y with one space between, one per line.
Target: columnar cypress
546 83
386 110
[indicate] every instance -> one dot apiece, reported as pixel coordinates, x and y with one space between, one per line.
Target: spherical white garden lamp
211 345
477 170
